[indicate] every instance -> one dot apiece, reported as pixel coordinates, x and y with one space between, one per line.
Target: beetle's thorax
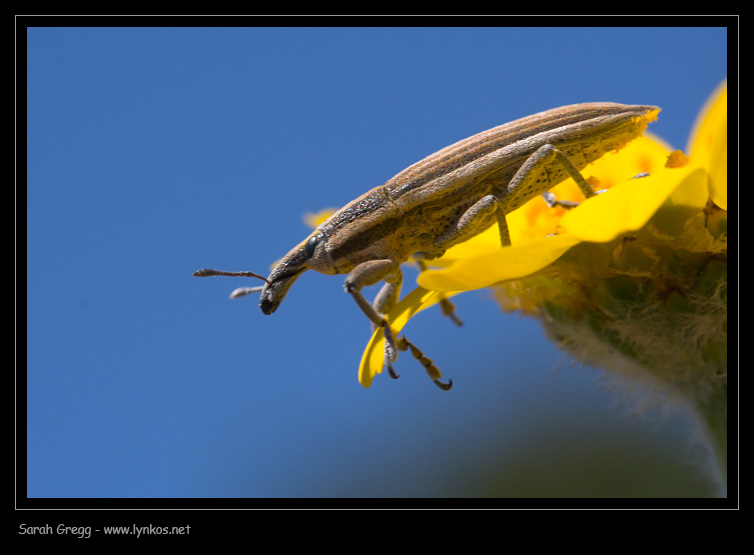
370 227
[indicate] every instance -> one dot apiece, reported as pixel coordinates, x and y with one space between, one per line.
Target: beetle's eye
311 244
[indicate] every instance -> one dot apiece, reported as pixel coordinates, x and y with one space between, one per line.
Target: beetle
445 199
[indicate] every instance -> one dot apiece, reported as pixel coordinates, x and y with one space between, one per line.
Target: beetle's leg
448 308
369 273
387 298
533 178
552 201
383 303
473 222
476 219
502 225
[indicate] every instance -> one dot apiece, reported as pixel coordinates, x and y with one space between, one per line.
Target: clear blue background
155 152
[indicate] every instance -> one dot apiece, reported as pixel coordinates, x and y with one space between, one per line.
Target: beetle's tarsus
391 348
393 345
432 371
552 201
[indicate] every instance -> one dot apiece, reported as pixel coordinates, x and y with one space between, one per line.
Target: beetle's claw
552 201
391 371
444 386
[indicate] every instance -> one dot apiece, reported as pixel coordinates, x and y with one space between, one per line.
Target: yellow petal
718 167
314 219
509 263
708 144
707 122
687 200
629 206
646 154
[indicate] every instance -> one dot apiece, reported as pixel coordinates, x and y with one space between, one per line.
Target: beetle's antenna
208 272
241 291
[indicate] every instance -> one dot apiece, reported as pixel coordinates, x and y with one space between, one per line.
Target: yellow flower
633 280
313 220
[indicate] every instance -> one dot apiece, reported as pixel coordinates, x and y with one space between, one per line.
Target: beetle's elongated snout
282 277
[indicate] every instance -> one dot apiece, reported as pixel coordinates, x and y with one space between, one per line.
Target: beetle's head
309 255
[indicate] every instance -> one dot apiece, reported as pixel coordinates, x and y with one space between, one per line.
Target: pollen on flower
643 121
676 159
595 183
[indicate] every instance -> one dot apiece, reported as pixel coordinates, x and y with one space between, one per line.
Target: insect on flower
445 199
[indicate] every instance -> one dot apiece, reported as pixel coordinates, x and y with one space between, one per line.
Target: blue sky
153 152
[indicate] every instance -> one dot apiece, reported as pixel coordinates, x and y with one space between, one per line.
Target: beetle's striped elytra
447 198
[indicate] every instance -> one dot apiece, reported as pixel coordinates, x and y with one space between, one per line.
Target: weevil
445 199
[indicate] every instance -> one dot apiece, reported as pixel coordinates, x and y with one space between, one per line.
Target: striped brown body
418 209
